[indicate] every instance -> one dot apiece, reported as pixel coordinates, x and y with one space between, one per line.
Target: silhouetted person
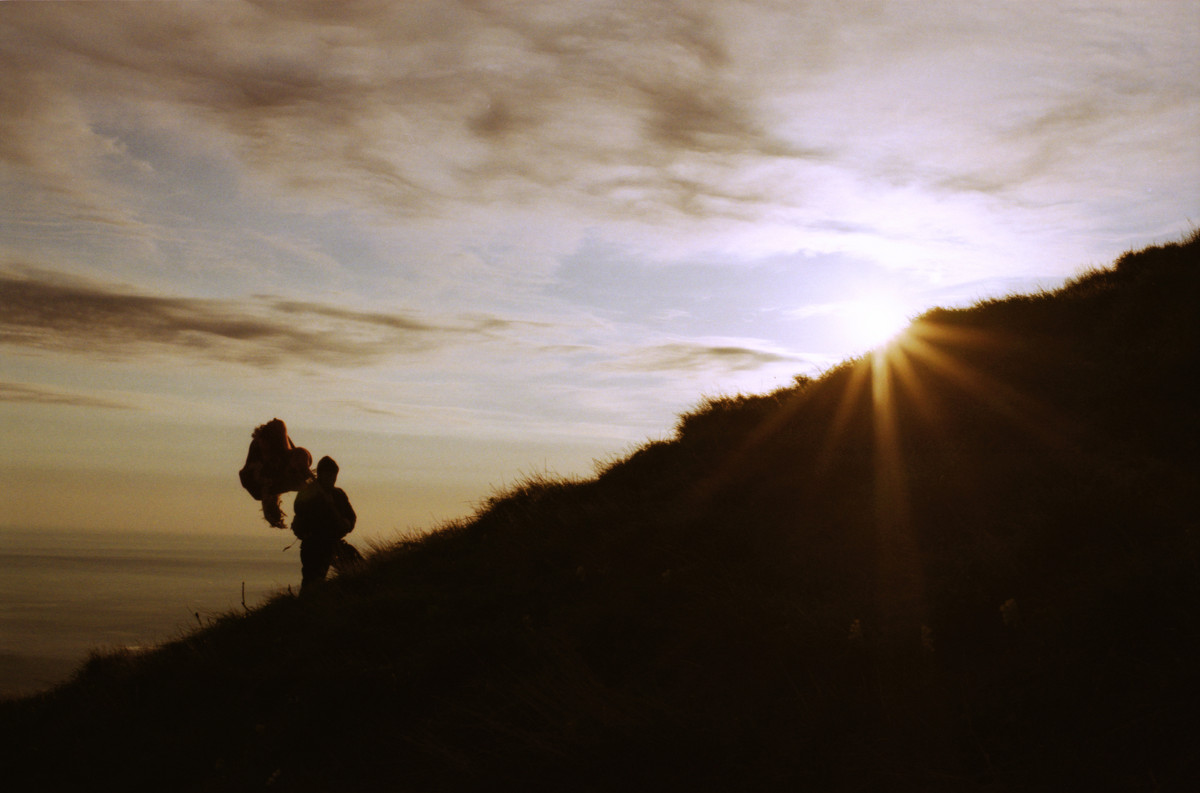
323 518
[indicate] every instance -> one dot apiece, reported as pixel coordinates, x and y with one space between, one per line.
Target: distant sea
64 594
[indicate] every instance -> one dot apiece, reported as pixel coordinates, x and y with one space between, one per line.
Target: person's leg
316 554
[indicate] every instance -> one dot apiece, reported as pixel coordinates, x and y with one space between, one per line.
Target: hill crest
967 560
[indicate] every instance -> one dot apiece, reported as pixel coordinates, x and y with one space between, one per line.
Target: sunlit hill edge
966 561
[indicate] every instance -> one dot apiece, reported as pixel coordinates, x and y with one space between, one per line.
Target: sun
872 322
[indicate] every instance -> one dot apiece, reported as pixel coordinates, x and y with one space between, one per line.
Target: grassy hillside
969 562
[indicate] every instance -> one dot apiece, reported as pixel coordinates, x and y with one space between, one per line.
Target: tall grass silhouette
968 559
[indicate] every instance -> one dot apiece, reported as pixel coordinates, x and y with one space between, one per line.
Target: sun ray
855 388
870 403
900 573
931 345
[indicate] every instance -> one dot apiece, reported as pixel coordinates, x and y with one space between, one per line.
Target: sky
457 244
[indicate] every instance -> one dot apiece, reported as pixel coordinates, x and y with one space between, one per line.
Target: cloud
660 113
699 356
45 311
398 107
815 310
39 395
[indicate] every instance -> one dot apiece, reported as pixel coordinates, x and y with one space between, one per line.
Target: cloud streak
47 312
22 393
44 311
694 356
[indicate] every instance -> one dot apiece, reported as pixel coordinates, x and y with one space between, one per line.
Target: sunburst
871 322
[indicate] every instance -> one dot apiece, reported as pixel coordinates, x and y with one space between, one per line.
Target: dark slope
970 563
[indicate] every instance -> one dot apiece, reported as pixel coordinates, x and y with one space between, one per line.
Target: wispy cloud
40 395
699 356
41 310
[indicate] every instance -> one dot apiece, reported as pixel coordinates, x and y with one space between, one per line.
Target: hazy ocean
63 594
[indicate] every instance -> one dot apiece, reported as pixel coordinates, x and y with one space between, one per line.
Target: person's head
327 470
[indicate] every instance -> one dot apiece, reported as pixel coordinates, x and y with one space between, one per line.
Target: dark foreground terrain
967 563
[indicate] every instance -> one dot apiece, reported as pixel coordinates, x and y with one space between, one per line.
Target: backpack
274 465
